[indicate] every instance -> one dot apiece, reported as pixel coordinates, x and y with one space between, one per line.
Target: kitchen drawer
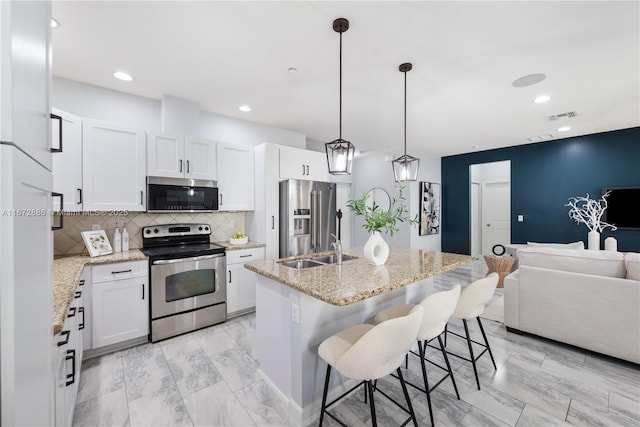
119 271
244 255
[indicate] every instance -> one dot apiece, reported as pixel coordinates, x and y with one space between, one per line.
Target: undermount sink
315 262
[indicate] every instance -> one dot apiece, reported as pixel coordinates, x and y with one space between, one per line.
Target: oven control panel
175 230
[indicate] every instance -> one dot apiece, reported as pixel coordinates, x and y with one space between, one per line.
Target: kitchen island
296 309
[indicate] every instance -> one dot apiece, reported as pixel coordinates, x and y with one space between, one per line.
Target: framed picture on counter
429 208
97 242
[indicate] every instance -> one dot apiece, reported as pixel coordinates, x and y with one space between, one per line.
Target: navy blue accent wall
543 177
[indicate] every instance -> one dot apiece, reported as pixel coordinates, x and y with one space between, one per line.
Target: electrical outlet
95 227
520 218
295 313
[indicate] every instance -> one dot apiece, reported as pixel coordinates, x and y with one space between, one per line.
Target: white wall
375 171
109 105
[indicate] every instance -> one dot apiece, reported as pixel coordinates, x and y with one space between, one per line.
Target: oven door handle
196 258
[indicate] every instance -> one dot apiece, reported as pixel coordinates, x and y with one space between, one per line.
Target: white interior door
496 215
475 219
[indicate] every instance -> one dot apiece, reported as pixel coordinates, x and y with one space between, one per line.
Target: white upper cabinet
235 178
179 156
296 163
113 159
200 159
67 164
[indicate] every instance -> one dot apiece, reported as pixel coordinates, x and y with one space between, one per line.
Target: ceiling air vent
540 138
568 115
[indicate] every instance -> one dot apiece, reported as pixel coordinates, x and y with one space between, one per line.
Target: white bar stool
438 308
471 304
367 353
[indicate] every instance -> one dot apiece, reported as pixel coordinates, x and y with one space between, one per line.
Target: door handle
121 271
229 276
307 170
58 149
71 355
273 222
141 197
81 324
187 166
79 196
66 340
72 312
302 169
220 197
142 290
180 166
60 213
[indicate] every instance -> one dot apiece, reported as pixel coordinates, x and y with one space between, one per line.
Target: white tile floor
208 378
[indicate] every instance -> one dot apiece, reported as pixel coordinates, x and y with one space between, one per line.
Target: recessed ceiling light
529 80
54 23
121 75
244 108
292 70
541 99
564 128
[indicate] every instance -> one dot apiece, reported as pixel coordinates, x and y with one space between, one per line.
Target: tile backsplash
68 241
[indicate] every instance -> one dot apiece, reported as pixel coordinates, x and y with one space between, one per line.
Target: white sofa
589 299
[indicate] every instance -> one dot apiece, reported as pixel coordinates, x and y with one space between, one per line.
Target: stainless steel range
187 276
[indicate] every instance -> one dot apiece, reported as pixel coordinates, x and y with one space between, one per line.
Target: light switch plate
520 218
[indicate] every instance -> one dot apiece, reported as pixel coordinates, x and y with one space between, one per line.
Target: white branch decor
589 212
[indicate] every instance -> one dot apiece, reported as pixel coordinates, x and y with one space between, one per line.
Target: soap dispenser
117 245
125 238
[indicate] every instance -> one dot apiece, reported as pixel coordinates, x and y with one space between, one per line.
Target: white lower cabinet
241 283
120 295
68 361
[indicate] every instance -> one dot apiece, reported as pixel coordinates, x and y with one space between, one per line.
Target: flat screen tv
622 210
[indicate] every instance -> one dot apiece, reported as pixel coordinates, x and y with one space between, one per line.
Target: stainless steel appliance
187 276
307 216
181 195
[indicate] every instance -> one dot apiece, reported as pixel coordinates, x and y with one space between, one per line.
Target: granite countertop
66 274
249 245
356 280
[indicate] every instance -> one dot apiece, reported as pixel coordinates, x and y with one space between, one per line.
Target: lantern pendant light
405 168
340 152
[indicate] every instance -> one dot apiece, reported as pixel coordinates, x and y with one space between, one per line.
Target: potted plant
589 212
379 218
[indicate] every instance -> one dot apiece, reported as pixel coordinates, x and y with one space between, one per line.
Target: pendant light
405 168
340 152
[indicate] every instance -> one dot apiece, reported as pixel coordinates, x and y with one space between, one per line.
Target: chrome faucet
337 245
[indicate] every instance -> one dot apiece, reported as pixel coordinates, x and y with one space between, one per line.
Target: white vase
594 241
376 250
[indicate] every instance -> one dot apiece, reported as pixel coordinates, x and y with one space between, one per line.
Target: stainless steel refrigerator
307 216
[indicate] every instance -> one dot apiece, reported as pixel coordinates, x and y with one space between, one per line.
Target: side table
499 264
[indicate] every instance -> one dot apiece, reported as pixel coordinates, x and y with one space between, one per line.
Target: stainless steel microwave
181 195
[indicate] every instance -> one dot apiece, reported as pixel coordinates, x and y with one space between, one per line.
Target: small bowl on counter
241 241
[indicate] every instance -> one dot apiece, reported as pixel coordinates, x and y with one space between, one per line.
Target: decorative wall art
429 208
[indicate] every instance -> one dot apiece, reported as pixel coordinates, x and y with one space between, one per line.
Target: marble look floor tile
217 406
236 367
523 382
164 407
534 417
179 346
263 405
108 409
100 375
624 406
581 414
145 371
478 418
216 341
193 371
245 336
500 405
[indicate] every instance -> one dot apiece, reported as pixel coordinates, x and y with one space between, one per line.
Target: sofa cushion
632 263
574 245
599 263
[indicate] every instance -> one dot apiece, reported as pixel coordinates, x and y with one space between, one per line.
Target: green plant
378 219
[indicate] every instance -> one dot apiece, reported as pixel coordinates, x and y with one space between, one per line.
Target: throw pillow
574 245
632 262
